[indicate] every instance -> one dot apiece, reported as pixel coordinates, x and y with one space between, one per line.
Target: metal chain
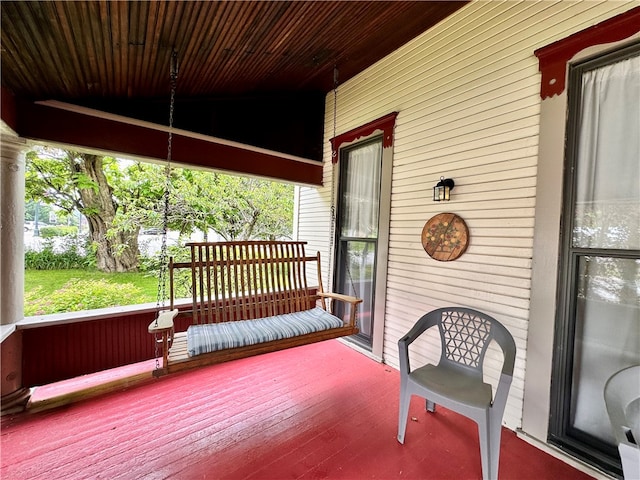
162 280
334 154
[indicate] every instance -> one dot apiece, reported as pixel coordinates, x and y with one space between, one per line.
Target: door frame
382 255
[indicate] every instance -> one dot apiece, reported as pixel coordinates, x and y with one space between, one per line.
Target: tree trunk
116 251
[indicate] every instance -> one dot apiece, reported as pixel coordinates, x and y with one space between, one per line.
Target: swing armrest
354 301
164 322
341 297
163 326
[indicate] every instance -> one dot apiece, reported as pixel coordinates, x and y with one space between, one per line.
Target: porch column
12 190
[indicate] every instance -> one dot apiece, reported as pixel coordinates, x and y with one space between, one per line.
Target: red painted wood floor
319 411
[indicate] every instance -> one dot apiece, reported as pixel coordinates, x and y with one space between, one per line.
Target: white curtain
362 191
608 175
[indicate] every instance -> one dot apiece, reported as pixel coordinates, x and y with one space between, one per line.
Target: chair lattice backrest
465 337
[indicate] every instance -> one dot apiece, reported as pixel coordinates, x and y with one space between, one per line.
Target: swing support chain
162 280
334 154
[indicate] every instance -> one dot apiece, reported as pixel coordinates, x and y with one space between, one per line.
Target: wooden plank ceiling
109 53
73 50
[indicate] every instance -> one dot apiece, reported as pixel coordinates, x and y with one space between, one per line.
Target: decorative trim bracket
386 124
554 57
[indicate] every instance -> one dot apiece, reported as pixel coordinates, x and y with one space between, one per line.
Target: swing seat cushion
220 336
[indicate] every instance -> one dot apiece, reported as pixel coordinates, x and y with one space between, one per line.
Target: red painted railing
54 352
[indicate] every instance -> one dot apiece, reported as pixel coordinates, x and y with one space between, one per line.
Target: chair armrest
164 322
502 392
508 345
424 323
403 356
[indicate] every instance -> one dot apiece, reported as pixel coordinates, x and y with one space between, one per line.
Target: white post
12 189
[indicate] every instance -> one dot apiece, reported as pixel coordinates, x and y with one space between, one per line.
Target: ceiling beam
8 109
66 124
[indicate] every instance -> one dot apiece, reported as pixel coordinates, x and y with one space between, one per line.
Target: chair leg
405 399
431 406
630 456
495 431
484 436
489 432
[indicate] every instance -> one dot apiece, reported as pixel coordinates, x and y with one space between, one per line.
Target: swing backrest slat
246 280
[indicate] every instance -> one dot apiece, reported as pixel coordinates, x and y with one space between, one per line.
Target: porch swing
247 297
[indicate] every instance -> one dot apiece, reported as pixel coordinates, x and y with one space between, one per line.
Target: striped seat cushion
219 336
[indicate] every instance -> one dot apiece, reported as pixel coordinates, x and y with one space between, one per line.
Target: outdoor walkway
314 412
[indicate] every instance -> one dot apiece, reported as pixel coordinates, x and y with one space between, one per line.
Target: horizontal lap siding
313 224
467 93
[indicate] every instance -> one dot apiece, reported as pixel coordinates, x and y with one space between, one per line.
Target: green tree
42 210
236 208
79 181
120 197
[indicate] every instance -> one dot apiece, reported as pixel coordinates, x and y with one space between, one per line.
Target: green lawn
58 291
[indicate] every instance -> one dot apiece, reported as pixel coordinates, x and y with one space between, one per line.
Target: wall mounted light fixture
442 190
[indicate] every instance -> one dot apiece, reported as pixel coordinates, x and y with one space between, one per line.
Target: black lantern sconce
442 190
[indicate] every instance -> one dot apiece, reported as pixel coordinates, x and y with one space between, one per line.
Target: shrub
151 263
84 294
61 253
58 231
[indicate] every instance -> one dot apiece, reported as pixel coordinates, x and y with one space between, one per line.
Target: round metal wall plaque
445 237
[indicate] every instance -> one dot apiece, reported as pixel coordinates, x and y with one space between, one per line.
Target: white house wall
468 96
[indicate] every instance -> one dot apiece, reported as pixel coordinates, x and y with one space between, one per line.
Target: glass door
598 323
357 229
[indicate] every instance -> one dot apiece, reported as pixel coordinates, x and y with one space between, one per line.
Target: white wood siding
467 93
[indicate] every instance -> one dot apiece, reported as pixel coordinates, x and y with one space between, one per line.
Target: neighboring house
468 99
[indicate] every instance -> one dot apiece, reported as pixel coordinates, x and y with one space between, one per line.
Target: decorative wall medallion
445 237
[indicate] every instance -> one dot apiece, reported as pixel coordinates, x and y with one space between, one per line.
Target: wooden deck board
317 411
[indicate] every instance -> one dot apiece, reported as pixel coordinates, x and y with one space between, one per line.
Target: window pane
608 167
358 278
607 337
361 192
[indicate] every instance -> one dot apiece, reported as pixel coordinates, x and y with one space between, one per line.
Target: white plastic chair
456 382
622 399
